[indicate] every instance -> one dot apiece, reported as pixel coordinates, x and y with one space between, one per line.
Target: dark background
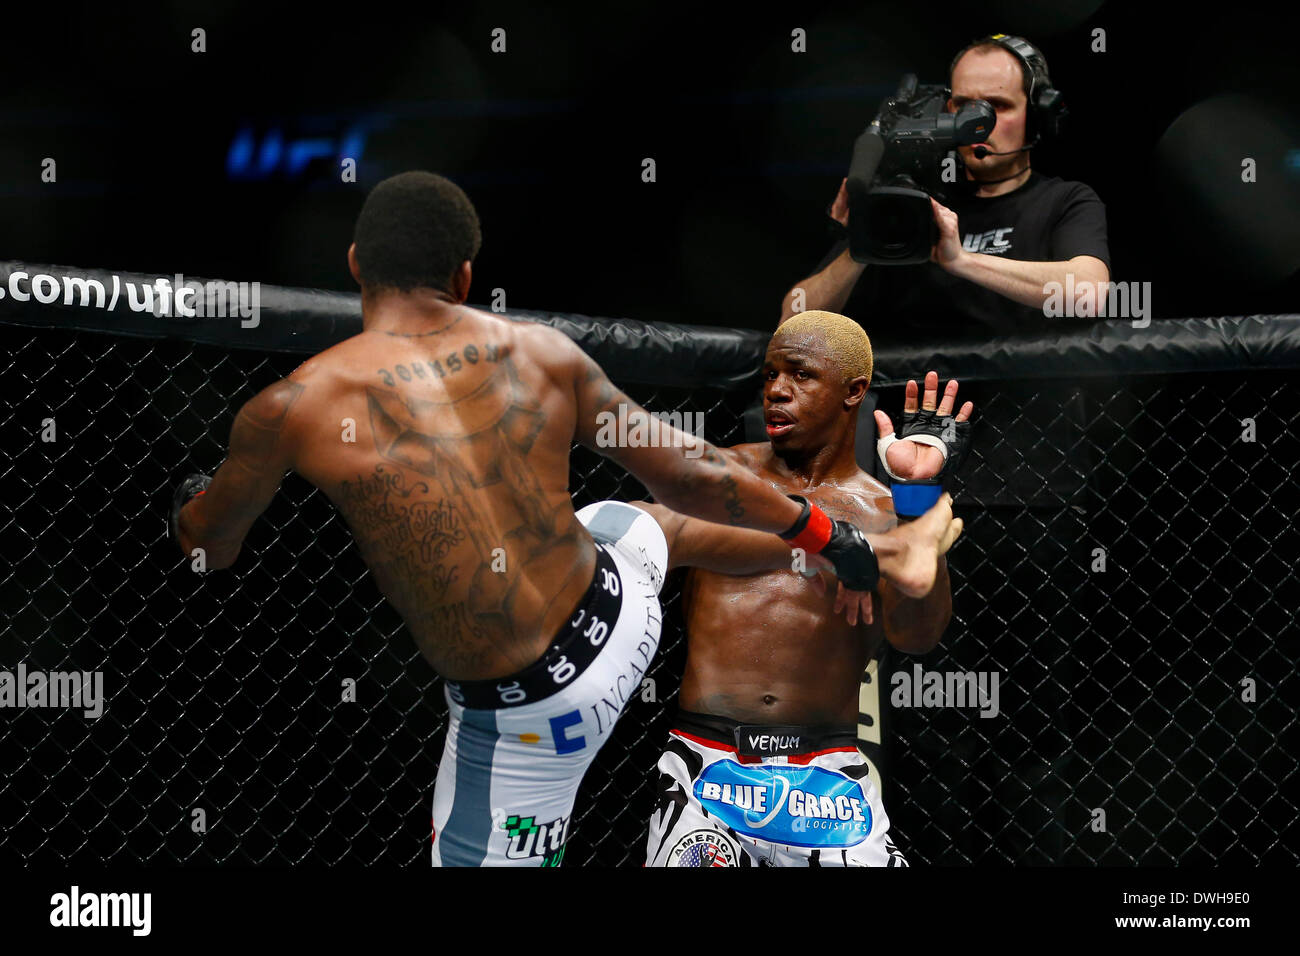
750 140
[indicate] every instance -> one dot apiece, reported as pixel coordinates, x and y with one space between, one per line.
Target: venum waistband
766 740
575 646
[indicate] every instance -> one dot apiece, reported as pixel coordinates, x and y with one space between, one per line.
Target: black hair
415 230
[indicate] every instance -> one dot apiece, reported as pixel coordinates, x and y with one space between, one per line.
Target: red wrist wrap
816 533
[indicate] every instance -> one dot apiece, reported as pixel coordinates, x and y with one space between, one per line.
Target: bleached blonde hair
847 341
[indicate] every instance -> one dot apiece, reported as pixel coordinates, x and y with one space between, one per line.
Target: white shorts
744 795
517 748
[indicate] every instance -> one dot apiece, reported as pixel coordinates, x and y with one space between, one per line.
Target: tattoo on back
408 532
455 486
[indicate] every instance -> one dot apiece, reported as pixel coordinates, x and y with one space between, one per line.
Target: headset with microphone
1047 110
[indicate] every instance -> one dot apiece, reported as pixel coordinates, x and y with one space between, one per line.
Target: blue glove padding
914 497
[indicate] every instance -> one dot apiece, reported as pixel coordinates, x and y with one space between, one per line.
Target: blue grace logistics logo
797 806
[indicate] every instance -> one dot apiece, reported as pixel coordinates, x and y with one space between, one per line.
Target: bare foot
913 567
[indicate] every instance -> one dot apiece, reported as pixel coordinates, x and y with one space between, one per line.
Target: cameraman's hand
839 210
947 251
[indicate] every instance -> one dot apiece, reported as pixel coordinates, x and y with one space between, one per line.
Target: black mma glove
914 497
840 543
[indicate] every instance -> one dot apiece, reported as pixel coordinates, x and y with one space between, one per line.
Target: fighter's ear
352 263
460 281
855 391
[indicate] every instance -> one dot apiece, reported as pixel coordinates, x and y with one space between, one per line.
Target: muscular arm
693 477
914 625
703 544
911 624
244 485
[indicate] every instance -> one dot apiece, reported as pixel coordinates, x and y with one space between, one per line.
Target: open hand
910 460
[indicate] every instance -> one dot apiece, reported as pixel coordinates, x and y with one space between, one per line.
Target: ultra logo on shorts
528 838
797 806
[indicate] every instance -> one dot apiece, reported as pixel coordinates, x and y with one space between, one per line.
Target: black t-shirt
1045 220
1028 447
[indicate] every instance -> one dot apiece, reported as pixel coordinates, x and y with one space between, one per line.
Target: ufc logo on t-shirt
993 242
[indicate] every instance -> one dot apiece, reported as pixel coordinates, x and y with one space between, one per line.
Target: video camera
898 165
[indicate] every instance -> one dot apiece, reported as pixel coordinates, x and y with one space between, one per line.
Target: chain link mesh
1121 688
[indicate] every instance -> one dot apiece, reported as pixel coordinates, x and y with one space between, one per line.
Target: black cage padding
306 321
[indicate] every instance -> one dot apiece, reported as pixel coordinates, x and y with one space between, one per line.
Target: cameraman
1011 231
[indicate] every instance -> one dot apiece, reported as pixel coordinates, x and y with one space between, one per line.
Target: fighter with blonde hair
762 765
